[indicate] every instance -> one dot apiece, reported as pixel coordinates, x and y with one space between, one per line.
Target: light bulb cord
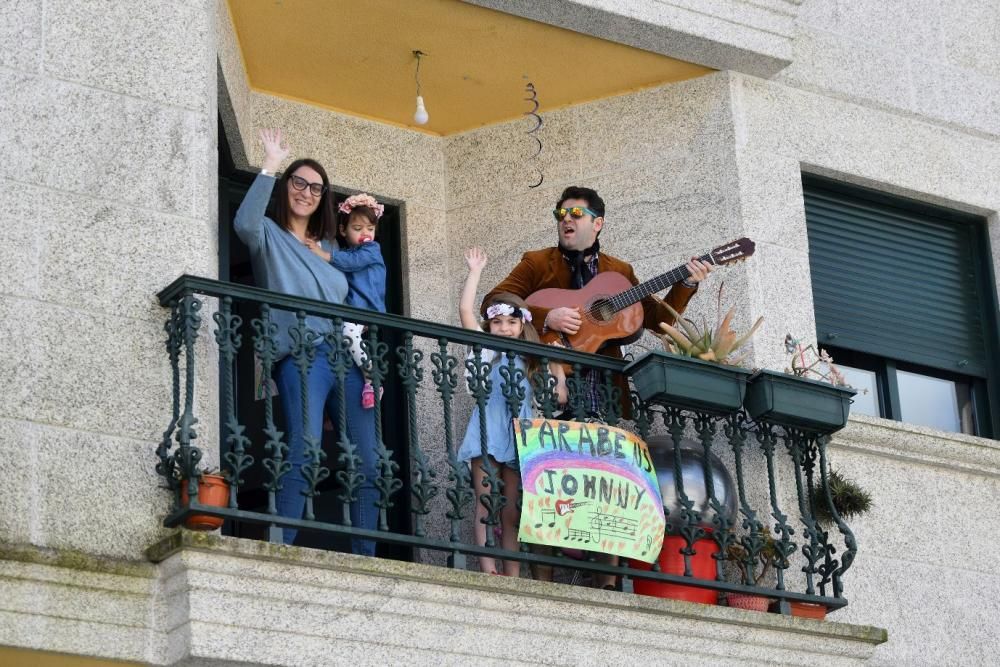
416 76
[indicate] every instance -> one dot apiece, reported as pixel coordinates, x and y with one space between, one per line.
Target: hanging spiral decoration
536 121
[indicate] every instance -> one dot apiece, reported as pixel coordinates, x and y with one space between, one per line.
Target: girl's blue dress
499 431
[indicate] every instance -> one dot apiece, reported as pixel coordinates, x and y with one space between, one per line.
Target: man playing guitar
572 264
576 259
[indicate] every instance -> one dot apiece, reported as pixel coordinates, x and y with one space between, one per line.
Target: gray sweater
281 263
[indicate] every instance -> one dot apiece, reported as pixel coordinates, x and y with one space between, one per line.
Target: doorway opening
234 266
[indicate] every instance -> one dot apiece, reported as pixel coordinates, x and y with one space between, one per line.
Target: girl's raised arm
476 260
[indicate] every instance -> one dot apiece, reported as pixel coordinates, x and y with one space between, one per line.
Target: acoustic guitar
609 303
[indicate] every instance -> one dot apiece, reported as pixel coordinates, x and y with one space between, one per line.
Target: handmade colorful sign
588 486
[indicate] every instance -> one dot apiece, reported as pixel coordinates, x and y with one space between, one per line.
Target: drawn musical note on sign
595 526
550 514
614 526
577 535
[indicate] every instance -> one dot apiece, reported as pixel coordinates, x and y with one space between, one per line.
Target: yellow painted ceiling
17 657
357 57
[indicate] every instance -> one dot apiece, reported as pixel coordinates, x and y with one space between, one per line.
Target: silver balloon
661 450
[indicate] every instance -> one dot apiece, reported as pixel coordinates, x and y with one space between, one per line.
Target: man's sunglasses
576 212
300 184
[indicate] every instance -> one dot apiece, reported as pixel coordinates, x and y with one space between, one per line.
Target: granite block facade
107 192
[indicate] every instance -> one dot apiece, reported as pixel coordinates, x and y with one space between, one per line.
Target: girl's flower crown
361 199
498 309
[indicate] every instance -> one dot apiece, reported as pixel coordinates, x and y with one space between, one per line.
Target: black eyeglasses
299 183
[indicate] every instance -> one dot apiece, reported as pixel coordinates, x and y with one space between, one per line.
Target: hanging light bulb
420 116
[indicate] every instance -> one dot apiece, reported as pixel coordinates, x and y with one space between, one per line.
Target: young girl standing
360 259
506 315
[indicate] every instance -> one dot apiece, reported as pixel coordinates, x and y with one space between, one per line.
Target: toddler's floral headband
361 199
498 309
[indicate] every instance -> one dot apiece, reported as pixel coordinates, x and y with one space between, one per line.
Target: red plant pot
747 601
212 490
802 609
672 562
808 610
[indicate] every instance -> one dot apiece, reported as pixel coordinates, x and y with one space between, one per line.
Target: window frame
887 385
984 391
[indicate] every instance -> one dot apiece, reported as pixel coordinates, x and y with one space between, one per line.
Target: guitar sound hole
602 310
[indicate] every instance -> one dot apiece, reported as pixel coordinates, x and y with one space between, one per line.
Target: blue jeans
324 390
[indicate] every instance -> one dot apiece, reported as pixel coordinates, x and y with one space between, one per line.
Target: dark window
234 266
905 303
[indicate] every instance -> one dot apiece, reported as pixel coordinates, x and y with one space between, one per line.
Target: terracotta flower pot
808 610
747 601
802 609
212 490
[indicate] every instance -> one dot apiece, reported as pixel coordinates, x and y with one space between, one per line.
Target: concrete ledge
752 37
247 601
919 444
208 599
74 603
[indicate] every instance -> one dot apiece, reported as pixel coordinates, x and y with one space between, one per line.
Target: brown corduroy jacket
539 269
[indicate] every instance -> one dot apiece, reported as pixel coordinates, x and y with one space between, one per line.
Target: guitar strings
638 292
635 293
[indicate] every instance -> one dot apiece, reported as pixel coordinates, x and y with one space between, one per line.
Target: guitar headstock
734 251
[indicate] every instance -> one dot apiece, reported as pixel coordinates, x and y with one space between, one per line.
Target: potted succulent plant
849 499
753 569
699 369
213 490
794 399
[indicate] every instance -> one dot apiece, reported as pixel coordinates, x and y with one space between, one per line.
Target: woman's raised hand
475 258
275 149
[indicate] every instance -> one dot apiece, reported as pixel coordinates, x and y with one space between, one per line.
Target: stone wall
107 193
925 552
900 97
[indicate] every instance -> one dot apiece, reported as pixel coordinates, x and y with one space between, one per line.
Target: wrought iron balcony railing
420 366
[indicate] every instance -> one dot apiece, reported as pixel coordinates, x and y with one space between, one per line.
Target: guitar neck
659 283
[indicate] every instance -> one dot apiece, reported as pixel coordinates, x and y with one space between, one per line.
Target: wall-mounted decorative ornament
535 121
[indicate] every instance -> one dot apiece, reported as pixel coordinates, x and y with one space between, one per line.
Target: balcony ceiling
20 656
356 57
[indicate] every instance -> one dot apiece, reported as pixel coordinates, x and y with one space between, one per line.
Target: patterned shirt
591 376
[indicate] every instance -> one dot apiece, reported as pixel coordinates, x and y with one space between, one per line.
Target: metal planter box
692 384
779 398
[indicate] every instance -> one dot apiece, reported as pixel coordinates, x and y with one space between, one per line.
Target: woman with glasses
282 261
